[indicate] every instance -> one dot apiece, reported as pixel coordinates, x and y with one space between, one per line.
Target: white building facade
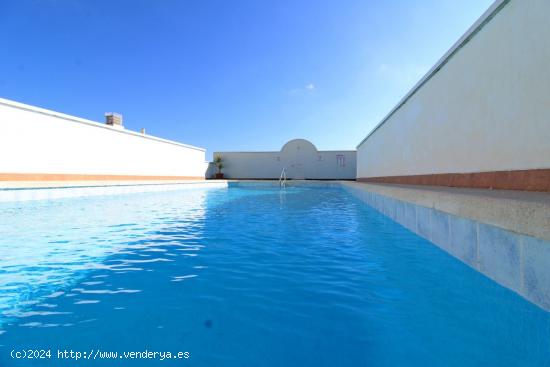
300 159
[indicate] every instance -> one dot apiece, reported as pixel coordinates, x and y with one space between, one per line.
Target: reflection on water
47 245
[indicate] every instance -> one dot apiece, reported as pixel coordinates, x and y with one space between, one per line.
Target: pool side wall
515 260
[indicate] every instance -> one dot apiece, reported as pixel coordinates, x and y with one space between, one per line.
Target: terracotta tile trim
85 177
526 180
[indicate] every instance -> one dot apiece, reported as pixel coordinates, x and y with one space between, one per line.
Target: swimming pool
248 276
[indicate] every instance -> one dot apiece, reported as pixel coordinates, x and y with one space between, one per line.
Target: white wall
300 157
34 140
486 109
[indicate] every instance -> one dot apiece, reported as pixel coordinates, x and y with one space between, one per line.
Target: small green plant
218 162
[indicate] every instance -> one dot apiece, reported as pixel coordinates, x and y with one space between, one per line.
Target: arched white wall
300 157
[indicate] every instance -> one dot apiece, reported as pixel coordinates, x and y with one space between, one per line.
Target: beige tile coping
521 212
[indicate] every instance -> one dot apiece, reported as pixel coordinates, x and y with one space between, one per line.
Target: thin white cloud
309 87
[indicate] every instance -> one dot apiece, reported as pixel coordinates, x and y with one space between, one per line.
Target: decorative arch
298 156
296 144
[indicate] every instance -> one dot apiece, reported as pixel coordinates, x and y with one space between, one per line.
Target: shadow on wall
299 157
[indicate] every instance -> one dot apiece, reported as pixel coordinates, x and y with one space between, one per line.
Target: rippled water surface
248 277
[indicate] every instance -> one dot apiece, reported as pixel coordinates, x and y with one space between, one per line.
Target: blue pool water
248 277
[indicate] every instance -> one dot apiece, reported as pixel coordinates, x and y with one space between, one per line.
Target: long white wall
34 140
299 157
484 107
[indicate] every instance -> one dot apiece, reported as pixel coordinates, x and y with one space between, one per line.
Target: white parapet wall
38 144
484 107
299 157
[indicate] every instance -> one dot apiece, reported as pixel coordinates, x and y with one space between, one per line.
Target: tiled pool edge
60 192
516 261
289 183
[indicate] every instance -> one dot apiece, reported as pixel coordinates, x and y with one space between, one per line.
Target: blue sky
227 75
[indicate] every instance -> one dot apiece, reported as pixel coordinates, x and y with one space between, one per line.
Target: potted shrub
219 165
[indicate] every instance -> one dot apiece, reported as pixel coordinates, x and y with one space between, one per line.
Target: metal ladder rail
282 178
